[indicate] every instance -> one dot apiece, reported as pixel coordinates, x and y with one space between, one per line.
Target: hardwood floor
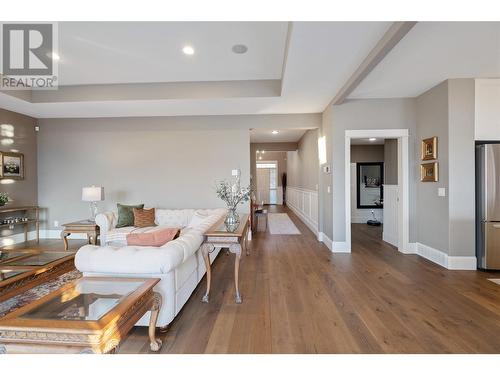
298 297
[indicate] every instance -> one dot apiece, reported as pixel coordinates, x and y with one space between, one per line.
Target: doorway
267 182
398 202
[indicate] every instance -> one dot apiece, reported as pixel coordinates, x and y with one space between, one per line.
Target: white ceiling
139 52
320 58
431 53
284 135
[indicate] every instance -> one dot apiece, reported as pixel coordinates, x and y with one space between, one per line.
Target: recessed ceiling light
372 139
239 49
260 157
263 151
275 132
188 50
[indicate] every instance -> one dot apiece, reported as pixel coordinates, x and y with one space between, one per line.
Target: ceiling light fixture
275 132
188 50
263 151
239 49
372 139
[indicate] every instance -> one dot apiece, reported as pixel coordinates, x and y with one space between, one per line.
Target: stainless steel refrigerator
488 206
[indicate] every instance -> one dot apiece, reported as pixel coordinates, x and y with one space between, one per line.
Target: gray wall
303 164
432 210
22 192
367 153
364 114
461 167
163 162
391 162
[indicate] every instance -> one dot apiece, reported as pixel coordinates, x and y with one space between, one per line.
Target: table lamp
93 194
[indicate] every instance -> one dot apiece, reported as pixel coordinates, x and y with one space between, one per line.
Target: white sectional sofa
179 263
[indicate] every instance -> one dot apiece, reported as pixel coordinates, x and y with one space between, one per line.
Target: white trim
340 247
444 260
304 204
326 240
403 181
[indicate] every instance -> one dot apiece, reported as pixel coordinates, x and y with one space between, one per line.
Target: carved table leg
64 237
154 343
237 274
205 250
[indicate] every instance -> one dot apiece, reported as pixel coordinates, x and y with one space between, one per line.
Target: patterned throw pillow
144 218
126 215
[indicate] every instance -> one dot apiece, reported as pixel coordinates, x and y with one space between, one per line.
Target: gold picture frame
429 172
429 148
12 165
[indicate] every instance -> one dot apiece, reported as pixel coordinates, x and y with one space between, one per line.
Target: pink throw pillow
157 238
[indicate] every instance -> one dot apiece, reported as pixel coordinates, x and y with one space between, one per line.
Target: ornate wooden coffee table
233 238
88 315
21 270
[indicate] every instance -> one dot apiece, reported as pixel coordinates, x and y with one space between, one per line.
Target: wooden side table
90 228
219 236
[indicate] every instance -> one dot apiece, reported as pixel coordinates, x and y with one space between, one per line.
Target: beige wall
161 162
367 153
432 210
391 162
22 192
360 114
303 164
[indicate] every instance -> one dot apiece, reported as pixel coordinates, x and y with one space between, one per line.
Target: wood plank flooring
298 297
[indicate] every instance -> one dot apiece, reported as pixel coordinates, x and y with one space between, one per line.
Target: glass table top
8 255
88 300
224 228
40 259
7 274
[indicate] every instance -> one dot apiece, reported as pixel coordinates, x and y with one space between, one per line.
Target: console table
221 236
34 220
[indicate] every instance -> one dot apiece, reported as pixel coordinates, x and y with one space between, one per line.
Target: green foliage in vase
232 194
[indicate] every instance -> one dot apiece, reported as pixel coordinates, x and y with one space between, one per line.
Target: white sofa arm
106 222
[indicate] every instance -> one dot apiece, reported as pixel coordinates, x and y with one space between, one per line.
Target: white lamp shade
92 194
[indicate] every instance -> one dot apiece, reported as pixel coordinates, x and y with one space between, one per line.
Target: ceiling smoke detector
239 49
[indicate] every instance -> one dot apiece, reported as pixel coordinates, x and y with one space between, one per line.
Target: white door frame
403 181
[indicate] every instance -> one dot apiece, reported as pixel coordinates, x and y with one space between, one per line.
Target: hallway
298 297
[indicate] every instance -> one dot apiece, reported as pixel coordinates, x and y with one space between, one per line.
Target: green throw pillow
126 215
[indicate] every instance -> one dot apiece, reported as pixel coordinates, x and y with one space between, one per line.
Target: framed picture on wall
12 165
429 148
429 172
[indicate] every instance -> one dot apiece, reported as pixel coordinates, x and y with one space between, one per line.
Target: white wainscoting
304 203
391 208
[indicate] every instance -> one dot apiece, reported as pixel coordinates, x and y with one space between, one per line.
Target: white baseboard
390 239
325 239
445 260
340 247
